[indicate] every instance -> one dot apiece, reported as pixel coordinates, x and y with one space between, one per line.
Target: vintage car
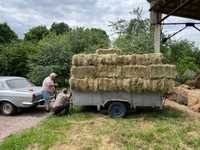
18 92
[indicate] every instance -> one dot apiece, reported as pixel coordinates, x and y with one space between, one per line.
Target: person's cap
53 75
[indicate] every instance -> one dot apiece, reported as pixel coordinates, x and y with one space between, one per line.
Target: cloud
21 15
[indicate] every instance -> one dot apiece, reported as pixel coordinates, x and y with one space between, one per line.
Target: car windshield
19 83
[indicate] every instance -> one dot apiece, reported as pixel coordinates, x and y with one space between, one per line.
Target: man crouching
62 103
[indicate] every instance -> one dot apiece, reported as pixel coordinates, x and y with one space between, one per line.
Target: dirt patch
14 124
34 147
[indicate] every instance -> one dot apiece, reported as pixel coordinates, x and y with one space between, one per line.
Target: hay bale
83 72
135 71
140 59
108 71
169 85
79 84
79 60
139 85
155 58
106 84
84 59
126 60
109 59
157 85
109 51
126 85
148 59
162 71
119 84
162 85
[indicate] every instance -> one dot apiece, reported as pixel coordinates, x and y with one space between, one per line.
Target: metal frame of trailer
118 101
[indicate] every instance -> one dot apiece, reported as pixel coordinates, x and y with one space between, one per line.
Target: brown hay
85 59
114 59
83 72
129 85
163 71
109 51
148 59
126 85
157 85
107 84
108 71
109 59
79 84
126 60
155 58
135 71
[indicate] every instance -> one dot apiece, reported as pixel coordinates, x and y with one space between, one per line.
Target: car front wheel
7 108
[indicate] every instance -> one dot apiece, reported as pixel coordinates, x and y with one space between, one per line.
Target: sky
22 15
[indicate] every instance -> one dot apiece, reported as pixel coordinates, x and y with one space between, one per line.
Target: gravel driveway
26 119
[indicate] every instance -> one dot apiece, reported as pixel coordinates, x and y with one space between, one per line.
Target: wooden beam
156 28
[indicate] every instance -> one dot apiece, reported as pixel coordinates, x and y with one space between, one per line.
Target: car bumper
28 104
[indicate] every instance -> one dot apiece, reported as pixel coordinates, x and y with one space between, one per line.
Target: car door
4 95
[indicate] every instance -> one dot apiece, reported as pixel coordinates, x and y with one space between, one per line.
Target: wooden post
156 28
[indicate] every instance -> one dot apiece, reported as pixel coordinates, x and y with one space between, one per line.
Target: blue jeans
46 96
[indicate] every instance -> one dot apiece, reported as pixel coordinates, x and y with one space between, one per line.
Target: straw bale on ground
108 51
83 72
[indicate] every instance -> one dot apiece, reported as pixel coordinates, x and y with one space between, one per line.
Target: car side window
2 86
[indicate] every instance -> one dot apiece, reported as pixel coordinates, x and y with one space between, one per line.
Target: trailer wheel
117 110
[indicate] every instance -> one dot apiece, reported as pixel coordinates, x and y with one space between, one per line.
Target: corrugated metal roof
191 10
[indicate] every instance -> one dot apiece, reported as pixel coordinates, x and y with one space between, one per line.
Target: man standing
62 103
48 88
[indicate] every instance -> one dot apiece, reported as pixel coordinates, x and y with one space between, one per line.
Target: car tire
7 108
117 110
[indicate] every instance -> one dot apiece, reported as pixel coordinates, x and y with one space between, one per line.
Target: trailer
117 103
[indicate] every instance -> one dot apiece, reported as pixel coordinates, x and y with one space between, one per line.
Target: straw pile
107 70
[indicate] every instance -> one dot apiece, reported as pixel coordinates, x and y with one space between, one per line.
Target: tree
14 58
134 36
55 52
59 28
54 55
36 34
6 34
88 40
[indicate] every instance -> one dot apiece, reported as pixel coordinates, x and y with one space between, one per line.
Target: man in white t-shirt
48 88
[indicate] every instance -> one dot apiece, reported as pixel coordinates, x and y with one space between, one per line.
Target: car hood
34 89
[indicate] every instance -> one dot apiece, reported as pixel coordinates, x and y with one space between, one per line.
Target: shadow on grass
150 113
146 113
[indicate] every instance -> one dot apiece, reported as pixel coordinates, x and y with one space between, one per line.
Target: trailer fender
108 101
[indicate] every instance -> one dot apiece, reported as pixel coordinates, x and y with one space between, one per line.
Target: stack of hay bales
107 70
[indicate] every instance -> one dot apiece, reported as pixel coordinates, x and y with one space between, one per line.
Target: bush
54 55
14 58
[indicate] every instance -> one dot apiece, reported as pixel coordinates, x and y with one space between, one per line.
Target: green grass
141 130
